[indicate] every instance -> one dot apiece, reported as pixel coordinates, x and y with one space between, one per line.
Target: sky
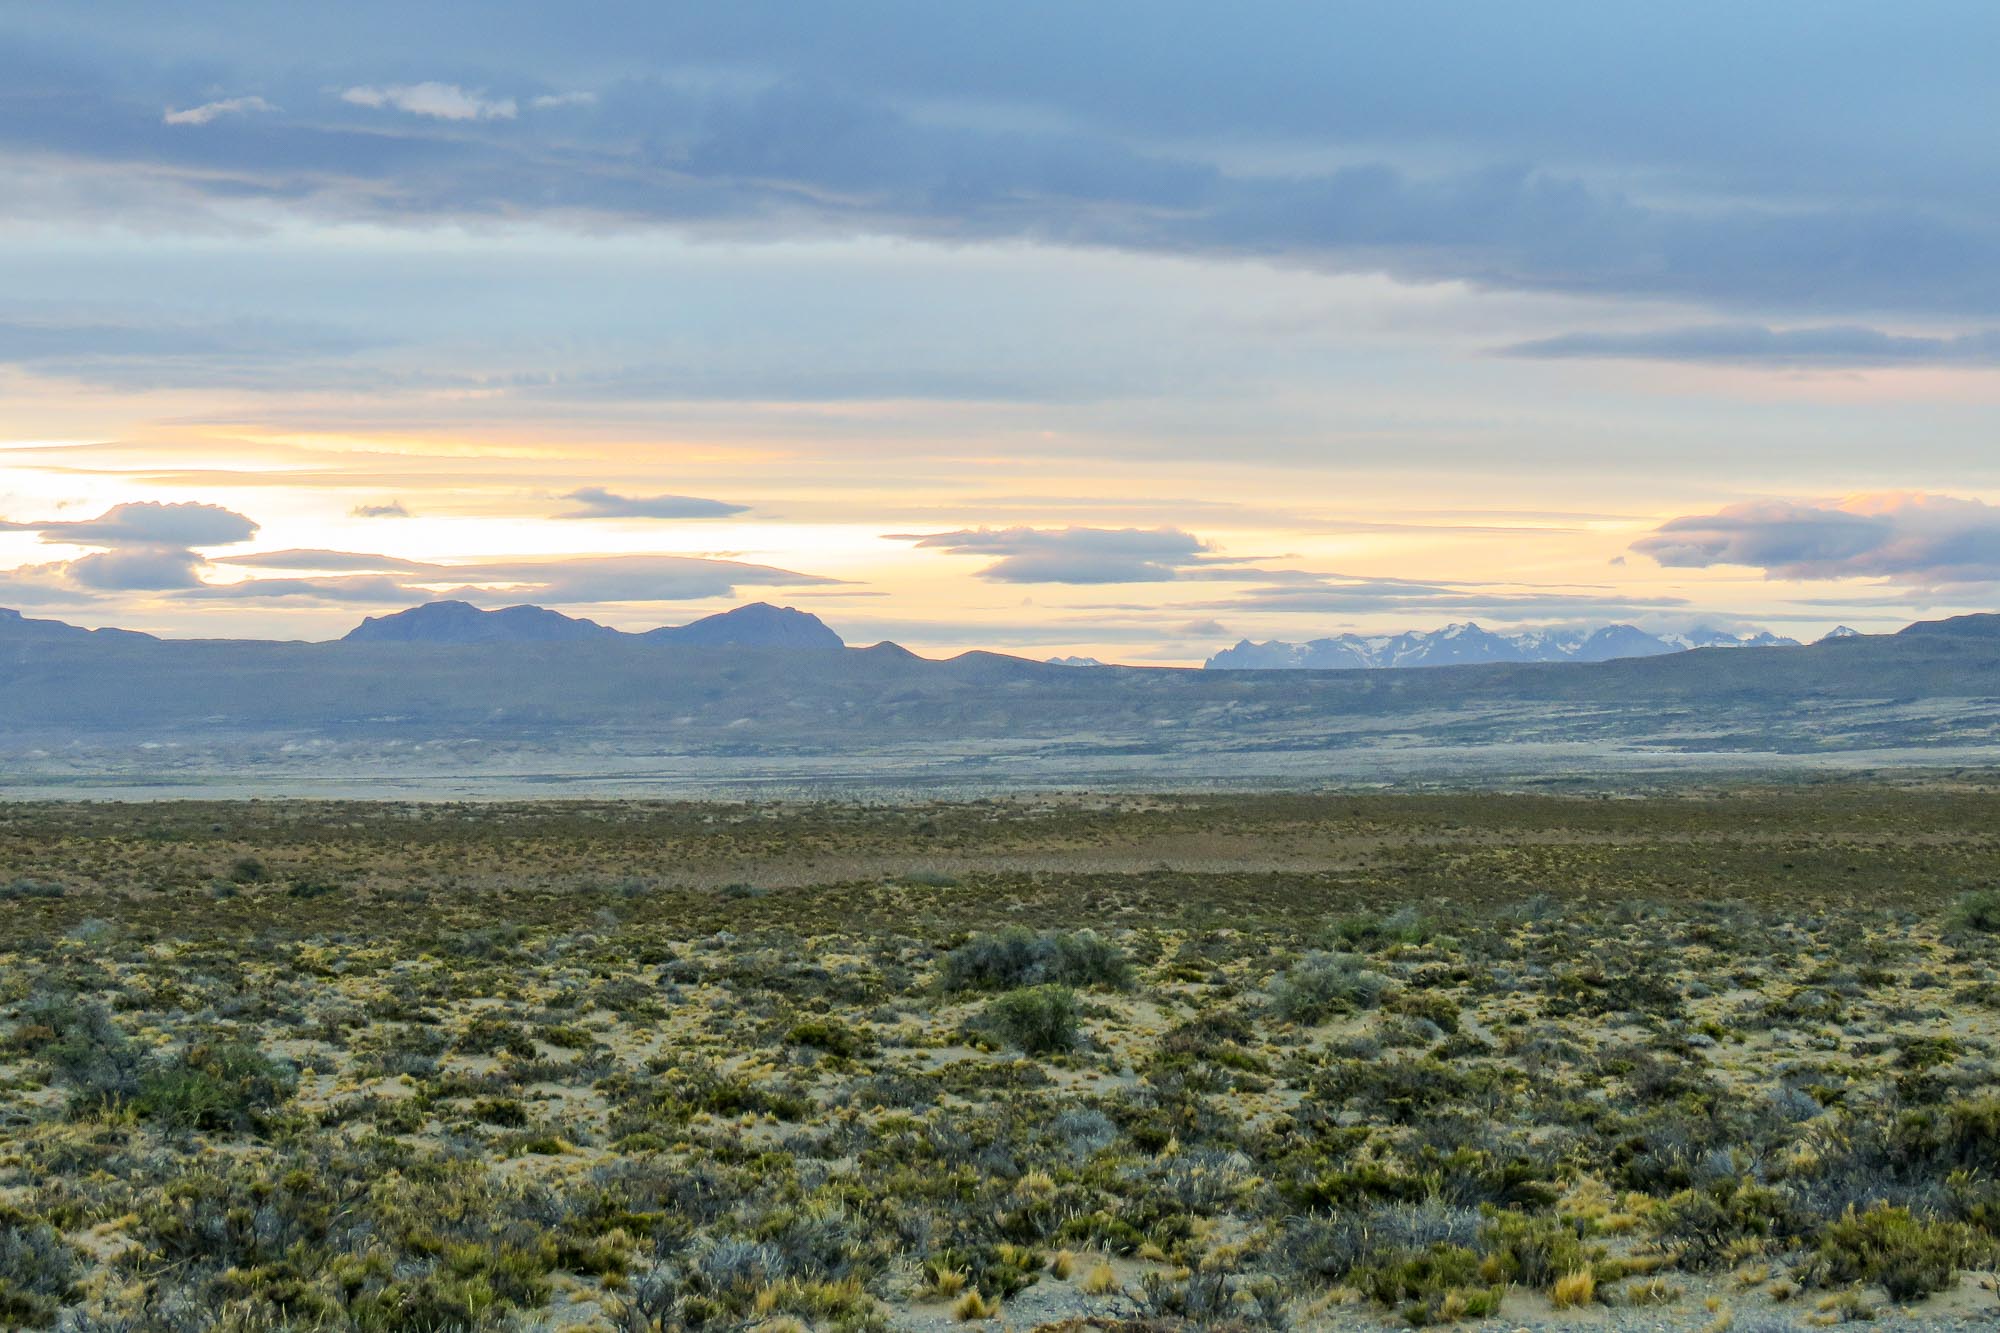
1121 330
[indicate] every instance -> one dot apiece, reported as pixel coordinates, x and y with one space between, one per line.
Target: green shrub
38 1270
1707 1225
1017 956
81 1048
1959 1135
830 1035
213 1087
1037 1019
1321 985
1906 1256
1978 910
1536 1251
1434 1285
1368 930
1431 1006
487 1035
502 1111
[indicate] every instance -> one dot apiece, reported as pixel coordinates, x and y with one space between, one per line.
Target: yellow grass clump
1574 1290
974 1306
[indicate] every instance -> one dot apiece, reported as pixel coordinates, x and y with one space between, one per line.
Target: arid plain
1702 1058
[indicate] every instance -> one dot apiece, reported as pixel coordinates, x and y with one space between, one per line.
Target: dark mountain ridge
758 624
704 710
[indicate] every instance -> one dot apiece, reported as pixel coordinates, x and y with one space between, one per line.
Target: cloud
1831 346
624 578
142 547
558 580
597 502
42 585
329 561
444 101
207 111
394 509
137 569
1920 540
550 100
1004 130
370 590
146 522
1073 554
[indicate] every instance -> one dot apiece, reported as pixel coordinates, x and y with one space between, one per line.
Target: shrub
219 1087
486 1035
38 1270
30 888
1706 1225
830 1035
1331 1245
1368 931
1037 1019
1978 910
1960 1135
1321 985
502 1111
1430 1006
1018 957
82 1049
1907 1256
1537 1252
1431 1286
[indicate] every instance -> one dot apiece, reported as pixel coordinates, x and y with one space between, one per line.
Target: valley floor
1700 1058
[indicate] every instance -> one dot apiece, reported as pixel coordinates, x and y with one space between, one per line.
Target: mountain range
758 625
455 702
1468 645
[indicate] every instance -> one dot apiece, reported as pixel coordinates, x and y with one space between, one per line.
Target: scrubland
1696 1059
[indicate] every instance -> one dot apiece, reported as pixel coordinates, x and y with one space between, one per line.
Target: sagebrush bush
1017 956
1978 910
1536 1252
217 1087
1321 985
81 1048
1906 1256
1037 1019
38 1268
1707 1226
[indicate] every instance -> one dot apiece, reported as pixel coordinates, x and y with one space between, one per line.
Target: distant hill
758 625
1983 626
17 628
462 622
1470 645
713 705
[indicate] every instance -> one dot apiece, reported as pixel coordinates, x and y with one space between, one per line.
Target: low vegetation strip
1316 1062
